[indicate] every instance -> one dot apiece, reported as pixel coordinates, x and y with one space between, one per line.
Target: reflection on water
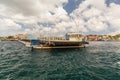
98 61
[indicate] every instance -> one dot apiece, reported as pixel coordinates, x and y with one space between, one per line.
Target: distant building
21 36
2 38
119 38
93 38
75 37
106 37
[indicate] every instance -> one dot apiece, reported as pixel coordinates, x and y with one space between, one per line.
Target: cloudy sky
56 17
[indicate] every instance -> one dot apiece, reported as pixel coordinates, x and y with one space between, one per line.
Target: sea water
98 61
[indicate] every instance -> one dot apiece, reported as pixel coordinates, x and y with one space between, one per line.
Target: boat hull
56 47
56 44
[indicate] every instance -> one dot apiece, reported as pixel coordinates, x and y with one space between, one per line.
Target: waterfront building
93 38
21 36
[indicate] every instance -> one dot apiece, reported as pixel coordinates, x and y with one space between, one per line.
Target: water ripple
98 61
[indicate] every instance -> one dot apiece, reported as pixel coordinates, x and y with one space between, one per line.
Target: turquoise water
98 61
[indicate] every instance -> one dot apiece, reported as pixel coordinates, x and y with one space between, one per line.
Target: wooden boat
72 40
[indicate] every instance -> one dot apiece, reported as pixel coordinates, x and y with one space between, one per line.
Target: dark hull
62 43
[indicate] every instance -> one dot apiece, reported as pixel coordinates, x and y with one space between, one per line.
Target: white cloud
113 10
94 24
30 12
98 16
115 23
8 27
22 9
90 15
99 4
7 24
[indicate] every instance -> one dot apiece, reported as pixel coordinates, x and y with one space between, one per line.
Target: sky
58 17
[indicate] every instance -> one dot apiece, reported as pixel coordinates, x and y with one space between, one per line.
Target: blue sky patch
112 1
72 5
